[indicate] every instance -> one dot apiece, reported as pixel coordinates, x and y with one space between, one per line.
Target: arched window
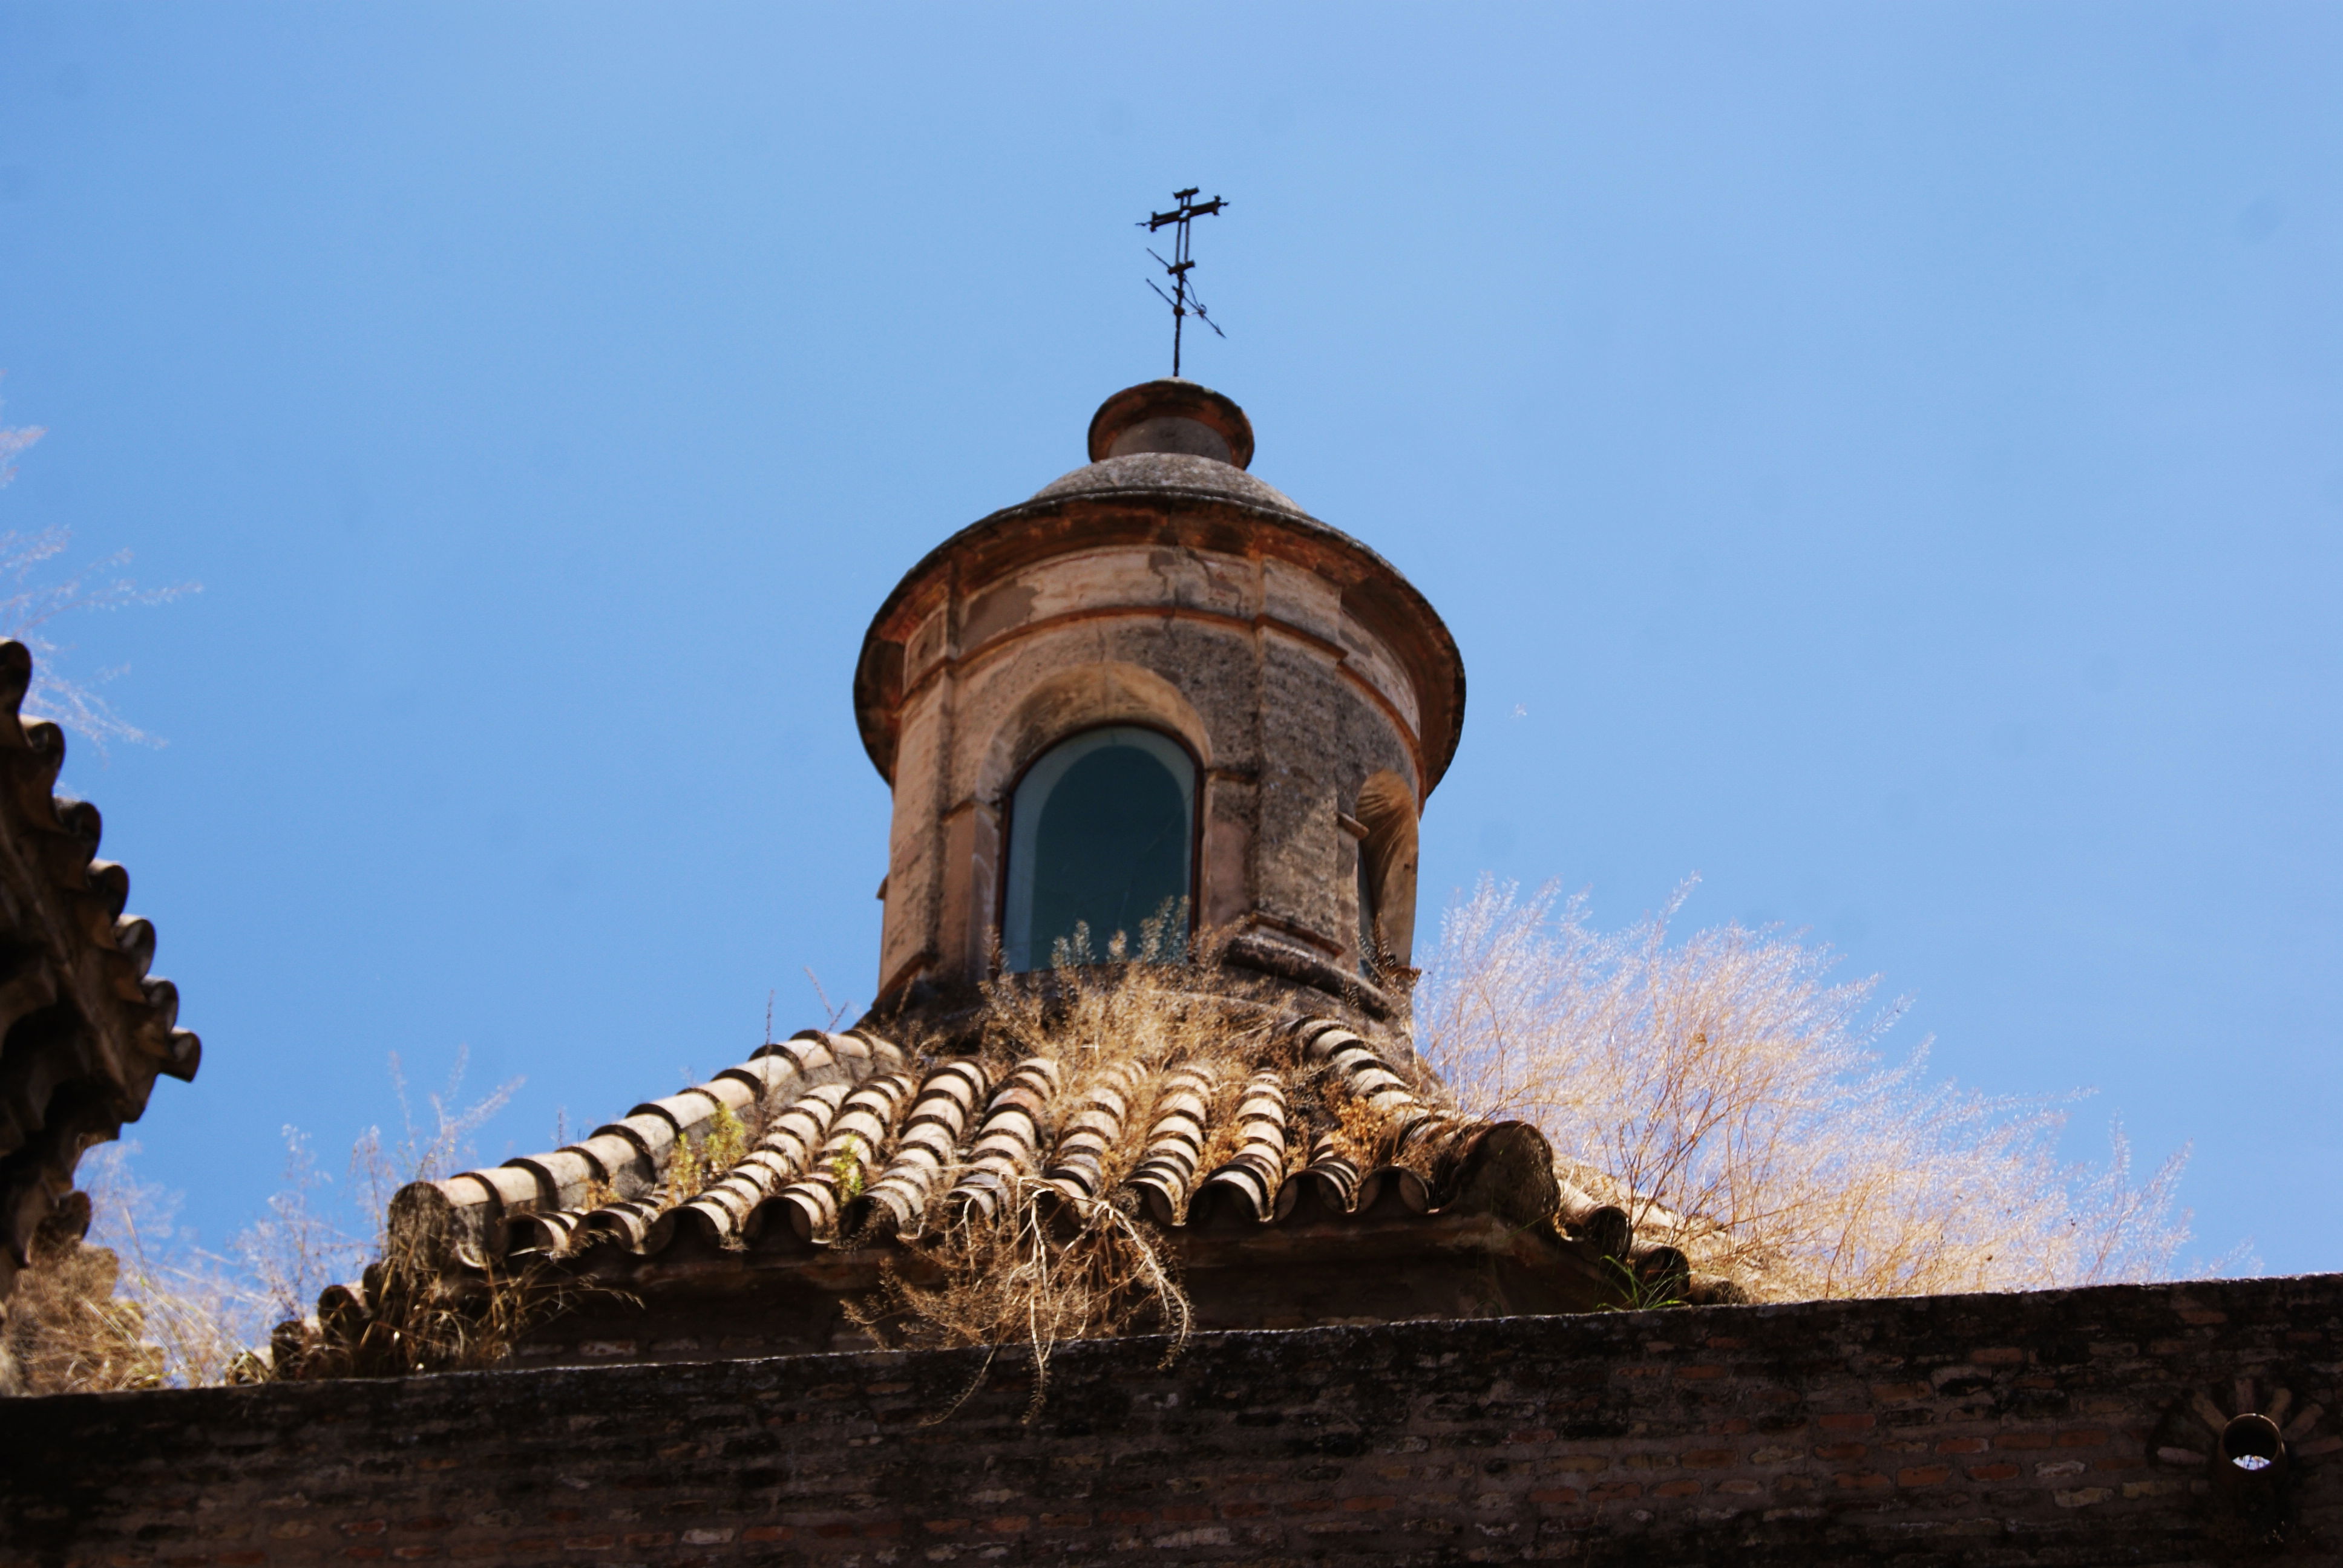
1101 832
1386 874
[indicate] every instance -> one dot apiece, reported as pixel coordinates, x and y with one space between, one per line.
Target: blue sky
1882 460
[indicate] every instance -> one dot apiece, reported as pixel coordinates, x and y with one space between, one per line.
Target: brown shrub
64 1330
1727 1093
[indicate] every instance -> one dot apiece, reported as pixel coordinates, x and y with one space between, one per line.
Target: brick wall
1997 1429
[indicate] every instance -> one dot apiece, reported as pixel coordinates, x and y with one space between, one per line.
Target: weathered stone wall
1996 1429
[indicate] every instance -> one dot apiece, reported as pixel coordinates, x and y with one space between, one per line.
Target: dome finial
1171 415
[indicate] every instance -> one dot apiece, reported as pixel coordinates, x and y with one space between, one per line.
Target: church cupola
1158 698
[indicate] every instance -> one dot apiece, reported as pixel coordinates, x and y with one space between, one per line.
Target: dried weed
1053 1262
1050 1266
1728 1094
64 1330
199 1318
408 1316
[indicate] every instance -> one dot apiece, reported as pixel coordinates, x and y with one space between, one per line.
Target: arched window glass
1100 834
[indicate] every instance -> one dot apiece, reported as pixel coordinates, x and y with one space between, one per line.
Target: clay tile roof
838 1149
836 1101
84 1029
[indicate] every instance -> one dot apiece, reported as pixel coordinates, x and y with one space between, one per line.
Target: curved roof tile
853 1149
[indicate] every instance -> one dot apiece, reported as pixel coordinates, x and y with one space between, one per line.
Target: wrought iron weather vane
1182 298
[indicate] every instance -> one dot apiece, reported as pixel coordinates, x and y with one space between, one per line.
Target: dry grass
30 604
406 1316
200 1314
1729 1093
1049 1264
424 1150
1152 1007
398 1314
64 1330
141 1306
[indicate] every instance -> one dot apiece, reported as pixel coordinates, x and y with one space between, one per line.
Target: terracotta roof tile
851 1150
1093 1127
1008 1142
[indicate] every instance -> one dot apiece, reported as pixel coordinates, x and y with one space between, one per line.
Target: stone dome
1174 471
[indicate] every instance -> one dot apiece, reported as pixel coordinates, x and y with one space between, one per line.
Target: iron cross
1182 298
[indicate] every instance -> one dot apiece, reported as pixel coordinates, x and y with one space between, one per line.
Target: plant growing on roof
1047 1261
694 1163
722 1145
684 1175
1363 1134
67 1329
1644 1291
846 1170
1047 1266
185 1317
408 1315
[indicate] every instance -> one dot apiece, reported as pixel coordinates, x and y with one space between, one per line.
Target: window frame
999 962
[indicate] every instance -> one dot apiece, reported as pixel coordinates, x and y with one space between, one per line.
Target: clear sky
1882 459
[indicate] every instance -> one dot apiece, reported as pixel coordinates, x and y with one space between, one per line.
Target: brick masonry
1986 1429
